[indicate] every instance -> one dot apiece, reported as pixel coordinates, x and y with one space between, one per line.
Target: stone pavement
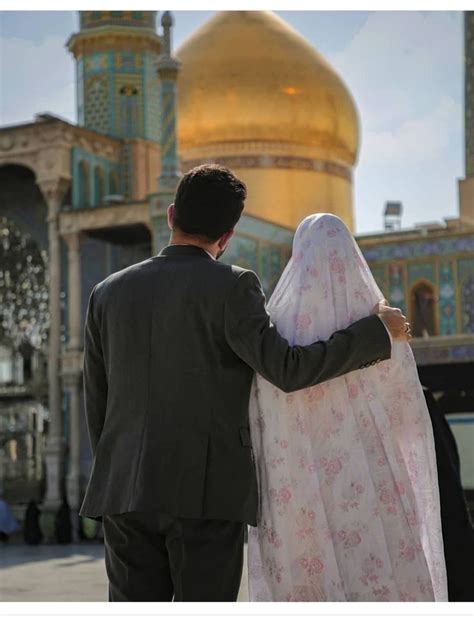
50 573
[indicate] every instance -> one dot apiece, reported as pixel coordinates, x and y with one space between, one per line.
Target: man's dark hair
209 201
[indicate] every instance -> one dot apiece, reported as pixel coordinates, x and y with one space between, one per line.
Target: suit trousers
154 557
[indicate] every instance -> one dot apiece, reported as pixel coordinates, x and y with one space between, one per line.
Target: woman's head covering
326 285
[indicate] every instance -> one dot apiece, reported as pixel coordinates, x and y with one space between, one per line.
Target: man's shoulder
227 275
116 278
228 272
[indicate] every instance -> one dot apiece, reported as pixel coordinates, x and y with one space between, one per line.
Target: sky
404 70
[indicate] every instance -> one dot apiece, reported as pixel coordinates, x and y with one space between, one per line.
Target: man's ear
224 239
170 213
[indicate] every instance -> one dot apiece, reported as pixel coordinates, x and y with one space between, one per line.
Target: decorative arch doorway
423 309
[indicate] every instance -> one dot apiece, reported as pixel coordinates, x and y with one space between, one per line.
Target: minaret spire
466 186
167 23
168 68
469 91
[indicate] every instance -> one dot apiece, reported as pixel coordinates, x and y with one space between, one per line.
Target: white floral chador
349 502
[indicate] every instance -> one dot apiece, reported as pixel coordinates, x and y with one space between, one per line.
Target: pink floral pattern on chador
349 502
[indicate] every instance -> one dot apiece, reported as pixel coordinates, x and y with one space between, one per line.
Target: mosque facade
247 91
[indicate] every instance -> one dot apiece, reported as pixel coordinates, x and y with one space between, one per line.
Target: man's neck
177 239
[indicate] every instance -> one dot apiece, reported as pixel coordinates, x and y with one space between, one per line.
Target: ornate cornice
280 161
367 241
45 147
443 349
167 67
134 19
114 38
107 216
322 151
54 188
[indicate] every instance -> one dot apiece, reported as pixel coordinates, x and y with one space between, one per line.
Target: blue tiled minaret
168 179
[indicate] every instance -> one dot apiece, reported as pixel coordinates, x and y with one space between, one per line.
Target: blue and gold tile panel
415 249
380 275
447 299
396 285
418 272
466 286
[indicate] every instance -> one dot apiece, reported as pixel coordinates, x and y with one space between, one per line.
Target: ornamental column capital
54 190
73 240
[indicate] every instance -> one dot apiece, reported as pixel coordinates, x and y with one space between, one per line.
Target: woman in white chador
349 503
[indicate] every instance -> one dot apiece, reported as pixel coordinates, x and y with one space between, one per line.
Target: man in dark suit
171 346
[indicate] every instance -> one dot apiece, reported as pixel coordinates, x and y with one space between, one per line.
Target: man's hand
393 319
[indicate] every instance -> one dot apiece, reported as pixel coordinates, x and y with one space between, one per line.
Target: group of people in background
31 528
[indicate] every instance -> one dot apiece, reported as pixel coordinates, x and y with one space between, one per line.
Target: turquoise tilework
447 299
78 154
421 271
396 289
466 285
415 249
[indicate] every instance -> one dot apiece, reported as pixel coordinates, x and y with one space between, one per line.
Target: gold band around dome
274 162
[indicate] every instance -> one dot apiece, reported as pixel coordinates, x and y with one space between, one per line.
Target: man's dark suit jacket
171 346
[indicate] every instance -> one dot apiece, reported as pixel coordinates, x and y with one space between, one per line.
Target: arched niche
22 202
113 183
99 186
423 311
84 185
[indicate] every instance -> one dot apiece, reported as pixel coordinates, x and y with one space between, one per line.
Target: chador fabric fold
348 491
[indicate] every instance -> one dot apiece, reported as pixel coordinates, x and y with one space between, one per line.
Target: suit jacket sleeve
95 379
253 337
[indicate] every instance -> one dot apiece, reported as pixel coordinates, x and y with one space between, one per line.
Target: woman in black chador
63 530
458 533
31 530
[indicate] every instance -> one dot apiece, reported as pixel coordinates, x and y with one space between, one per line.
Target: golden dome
247 75
255 95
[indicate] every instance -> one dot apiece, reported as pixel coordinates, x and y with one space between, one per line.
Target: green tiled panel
242 252
421 271
379 276
466 287
447 299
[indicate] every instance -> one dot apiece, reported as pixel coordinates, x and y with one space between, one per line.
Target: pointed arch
84 185
423 309
99 185
113 183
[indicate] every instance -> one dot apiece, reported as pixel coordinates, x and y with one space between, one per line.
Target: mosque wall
446 263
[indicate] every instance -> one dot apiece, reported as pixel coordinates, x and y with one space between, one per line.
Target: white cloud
419 140
405 71
399 63
36 78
